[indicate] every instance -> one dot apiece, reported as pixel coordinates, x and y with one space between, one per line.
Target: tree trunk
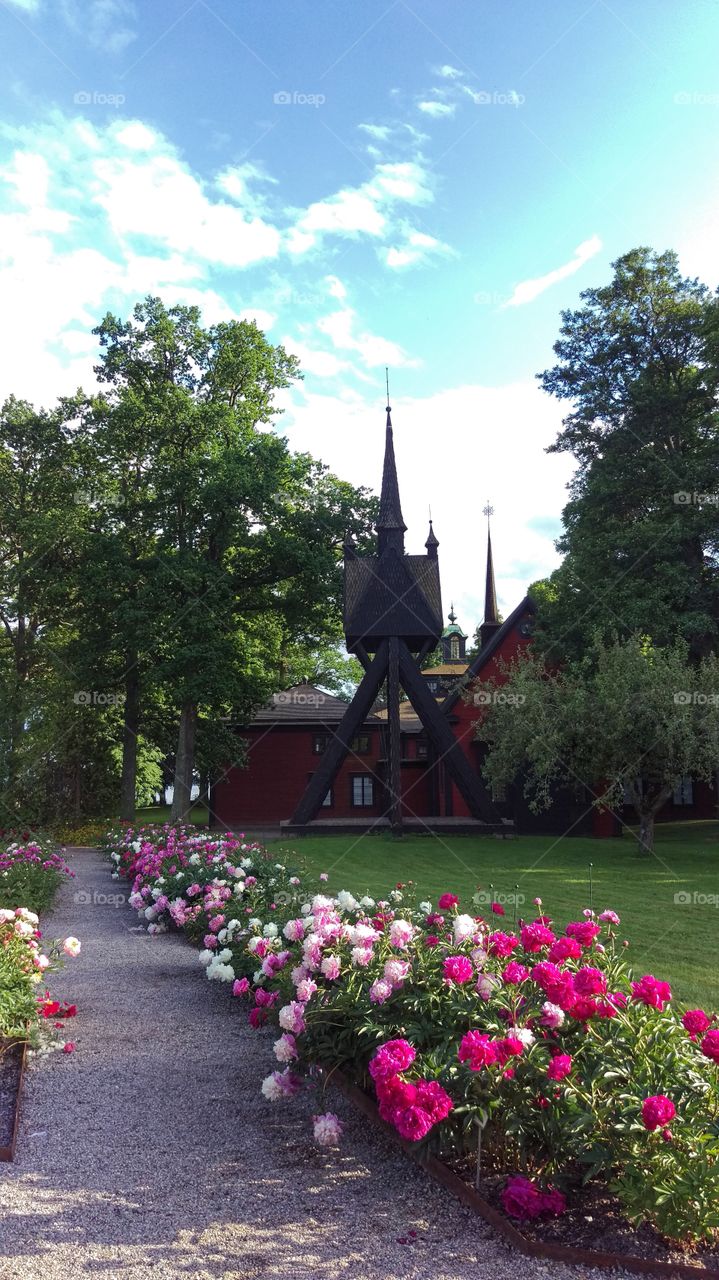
130 730
184 763
646 833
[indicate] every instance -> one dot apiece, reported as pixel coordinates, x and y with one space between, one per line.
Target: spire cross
386 376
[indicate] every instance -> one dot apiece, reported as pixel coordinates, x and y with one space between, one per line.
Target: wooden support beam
362 655
394 740
468 782
339 744
427 647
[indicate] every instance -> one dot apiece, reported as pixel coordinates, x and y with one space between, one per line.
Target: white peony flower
426 907
464 927
346 901
205 957
224 955
270 930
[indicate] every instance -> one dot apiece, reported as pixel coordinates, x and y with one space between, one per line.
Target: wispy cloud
437 109
528 290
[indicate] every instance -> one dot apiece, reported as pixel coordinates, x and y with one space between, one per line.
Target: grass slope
674 939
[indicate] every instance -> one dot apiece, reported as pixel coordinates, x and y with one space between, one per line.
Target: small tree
628 718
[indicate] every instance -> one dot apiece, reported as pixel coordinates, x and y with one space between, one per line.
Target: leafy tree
231 530
628 717
639 362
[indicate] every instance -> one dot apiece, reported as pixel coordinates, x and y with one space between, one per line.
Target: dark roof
525 606
490 594
390 509
392 594
302 704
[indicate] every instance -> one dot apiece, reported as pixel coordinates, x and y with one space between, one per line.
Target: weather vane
386 375
488 510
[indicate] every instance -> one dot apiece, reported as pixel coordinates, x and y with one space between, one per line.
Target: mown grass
673 938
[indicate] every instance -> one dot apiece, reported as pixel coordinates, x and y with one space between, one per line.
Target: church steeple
491 621
391 527
432 541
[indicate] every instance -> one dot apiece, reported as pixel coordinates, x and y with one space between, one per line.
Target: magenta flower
584 931
589 982
391 1058
447 901
696 1022
657 1112
477 1050
502 944
514 973
458 969
559 1067
535 936
710 1045
651 992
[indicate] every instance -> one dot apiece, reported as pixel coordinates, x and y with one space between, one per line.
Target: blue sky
423 185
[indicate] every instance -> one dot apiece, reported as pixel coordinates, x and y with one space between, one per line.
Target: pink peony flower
380 991
71 947
486 985
502 944
265 999
327 1129
552 1016
524 1200
412 1123
68 1047
457 969
498 909
609 917
477 1050
696 1022
285 1048
434 1100
306 989
210 941
508 1047
651 992
535 936
657 1112
589 982
294 930
514 973
584 931
240 987
401 933
559 1067
330 968
710 1045
447 901
393 1057
292 1017
395 972
216 923
431 940
564 949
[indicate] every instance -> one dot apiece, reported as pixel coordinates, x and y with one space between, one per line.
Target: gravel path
151 1153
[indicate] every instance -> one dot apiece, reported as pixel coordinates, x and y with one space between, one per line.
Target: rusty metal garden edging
7 1153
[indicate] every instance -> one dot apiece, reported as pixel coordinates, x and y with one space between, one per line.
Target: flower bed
531 1041
31 871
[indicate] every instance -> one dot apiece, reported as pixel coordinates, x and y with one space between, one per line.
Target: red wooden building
287 740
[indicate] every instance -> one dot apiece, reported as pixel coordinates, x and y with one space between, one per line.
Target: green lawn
677 941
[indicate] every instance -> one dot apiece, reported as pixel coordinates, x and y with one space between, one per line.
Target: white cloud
365 210
108 25
340 328
528 290
321 364
417 247
29 6
379 131
437 109
499 436
449 72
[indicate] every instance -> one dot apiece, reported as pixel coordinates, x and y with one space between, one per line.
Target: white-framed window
454 647
362 791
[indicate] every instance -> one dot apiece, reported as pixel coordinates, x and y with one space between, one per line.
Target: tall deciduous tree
639 362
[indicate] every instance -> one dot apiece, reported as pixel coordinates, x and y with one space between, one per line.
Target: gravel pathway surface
150 1152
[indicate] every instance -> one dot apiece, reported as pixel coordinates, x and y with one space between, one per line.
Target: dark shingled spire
432 542
390 525
490 594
